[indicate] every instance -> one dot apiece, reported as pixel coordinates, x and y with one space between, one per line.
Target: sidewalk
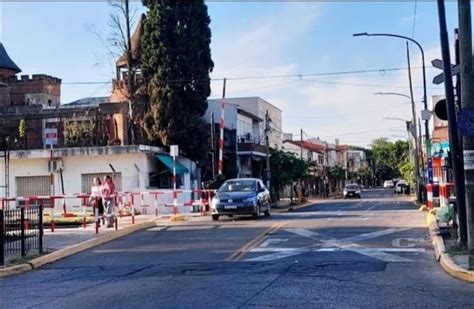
64 237
64 242
453 262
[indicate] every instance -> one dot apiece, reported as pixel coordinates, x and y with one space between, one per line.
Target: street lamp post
425 102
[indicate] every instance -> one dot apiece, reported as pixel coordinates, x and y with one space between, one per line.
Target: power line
262 77
362 84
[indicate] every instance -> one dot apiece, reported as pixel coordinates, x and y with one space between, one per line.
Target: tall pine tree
176 63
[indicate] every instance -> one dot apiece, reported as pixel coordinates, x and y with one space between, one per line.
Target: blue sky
259 39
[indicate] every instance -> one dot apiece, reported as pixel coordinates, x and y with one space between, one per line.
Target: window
87 179
33 186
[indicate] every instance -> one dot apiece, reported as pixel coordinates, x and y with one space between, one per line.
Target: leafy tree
336 175
286 168
176 63
365 174
407 171
388 157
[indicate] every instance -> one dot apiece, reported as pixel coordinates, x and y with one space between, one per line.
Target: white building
242 117
258 107
136 168
355 160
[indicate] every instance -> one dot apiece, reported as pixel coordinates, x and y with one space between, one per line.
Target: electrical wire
262 77
363 85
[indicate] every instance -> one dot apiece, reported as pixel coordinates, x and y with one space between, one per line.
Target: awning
168 162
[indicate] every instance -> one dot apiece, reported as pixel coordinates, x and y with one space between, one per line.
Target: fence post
41 228
2 238
22 228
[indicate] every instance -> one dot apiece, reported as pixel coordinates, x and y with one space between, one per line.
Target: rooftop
6 62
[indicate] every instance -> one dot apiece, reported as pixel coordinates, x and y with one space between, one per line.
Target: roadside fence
161 202
21 231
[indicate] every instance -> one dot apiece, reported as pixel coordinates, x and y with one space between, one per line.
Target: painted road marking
237 255
329 244
407 242
272 241
309 249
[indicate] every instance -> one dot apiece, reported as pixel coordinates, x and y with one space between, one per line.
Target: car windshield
352 187
238 185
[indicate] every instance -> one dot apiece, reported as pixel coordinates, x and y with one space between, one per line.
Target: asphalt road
369 253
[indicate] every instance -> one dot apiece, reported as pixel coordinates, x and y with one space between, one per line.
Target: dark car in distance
352 190
241 196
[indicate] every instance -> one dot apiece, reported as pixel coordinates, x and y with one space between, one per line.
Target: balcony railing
248 139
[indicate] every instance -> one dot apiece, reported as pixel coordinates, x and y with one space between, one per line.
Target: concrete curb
60 254
14 270
443 258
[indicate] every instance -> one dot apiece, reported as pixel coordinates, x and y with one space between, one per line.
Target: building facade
135 168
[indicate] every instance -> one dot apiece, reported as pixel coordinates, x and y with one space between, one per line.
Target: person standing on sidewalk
96 199
108 195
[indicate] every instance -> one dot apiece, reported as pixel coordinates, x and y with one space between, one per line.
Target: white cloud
327 110
345 106
257 49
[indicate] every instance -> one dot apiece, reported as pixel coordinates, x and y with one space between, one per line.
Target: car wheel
215 217
256 215
268 211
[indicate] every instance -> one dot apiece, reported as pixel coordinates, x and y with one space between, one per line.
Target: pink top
108 189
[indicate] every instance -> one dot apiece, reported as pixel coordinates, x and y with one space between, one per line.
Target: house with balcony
244 134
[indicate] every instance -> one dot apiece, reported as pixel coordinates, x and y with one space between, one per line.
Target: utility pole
220 164
413 128
267 170
467 102
301 146
452 123
213 147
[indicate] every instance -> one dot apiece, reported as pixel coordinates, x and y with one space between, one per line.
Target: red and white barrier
178 200
429 196
446 191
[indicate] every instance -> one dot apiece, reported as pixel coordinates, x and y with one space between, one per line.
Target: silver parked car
241 196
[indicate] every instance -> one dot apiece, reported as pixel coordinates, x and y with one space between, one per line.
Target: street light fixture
397 94
425 102
392 93
395 118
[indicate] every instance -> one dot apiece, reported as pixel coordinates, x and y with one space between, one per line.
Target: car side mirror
261 190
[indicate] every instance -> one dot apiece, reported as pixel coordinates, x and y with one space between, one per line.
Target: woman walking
108 195
96 199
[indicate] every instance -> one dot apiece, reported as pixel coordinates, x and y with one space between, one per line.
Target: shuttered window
32 185
87 180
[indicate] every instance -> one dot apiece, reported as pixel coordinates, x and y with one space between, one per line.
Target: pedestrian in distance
108 195
327 189
96 200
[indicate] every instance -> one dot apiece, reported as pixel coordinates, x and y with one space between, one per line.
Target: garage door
87 179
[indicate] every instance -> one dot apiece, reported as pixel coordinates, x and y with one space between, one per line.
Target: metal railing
21 232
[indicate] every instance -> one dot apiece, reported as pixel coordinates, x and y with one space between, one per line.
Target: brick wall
39 89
